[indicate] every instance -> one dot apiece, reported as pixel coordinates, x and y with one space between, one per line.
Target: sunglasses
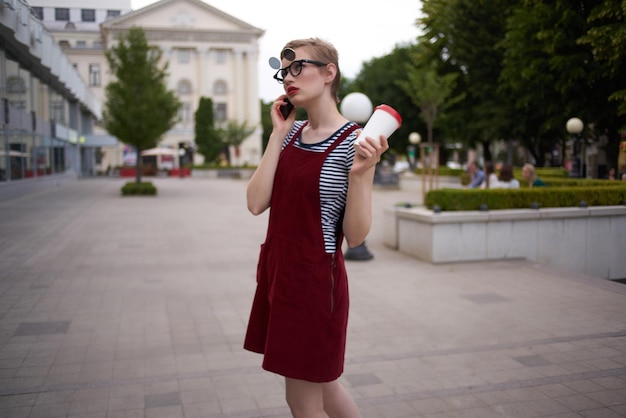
295 68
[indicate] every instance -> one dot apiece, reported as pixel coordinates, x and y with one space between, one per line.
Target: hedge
142 189
537 197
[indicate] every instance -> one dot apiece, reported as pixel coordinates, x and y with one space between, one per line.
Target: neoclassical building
210 54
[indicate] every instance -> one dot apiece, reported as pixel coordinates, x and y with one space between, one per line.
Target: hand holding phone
286 109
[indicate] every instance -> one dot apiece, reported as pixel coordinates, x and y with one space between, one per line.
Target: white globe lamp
415 138
356 107
574 126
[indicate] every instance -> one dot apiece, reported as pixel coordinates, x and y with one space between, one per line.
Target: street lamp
575 126
181 163
357 107
414 139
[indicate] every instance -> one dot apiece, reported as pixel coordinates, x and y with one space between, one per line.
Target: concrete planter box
590 240
231 173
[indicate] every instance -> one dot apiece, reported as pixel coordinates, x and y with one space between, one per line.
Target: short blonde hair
532 175
322 51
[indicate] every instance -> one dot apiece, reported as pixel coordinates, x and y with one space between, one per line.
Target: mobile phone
286 109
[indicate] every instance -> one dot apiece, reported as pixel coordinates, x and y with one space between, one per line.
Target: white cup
384 121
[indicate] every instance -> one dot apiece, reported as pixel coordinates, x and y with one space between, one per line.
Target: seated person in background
506 179
477 176
611 174
528 171
491 179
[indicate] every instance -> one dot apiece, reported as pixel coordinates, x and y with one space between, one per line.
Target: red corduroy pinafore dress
299 314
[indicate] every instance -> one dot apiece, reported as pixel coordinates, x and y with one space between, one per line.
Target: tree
234 134
377 80
208 139
430 92
139 108
460 37
607 38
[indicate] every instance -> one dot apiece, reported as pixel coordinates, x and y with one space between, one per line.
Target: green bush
544 197
142 189
577 182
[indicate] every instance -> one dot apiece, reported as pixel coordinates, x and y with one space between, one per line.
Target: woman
529 173
491 179
506 179
318 190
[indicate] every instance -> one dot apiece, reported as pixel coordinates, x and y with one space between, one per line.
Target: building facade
46 109
210 54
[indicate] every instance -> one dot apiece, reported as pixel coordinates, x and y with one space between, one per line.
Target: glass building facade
46 109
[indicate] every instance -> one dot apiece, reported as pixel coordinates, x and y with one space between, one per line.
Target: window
15 85
97 44
184 55
62 14
184 87
81 44
220 112
88 15
57 111
184 112
37 12
220 88
113 13
94 74
220 56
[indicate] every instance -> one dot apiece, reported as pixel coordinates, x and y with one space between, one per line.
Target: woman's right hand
280 123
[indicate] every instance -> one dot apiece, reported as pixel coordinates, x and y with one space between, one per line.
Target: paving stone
128 307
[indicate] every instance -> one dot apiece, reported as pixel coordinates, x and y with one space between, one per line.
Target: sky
358 33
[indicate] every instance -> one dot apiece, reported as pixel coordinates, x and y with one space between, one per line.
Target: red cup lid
393 112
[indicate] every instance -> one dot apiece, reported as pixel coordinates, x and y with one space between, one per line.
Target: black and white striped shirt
333 179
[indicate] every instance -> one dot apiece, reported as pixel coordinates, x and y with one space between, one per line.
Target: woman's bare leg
315 400
337 401
305 399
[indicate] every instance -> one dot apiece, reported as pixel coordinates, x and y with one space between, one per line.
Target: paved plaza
131 307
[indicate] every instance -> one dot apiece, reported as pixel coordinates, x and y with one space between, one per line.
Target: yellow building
210 54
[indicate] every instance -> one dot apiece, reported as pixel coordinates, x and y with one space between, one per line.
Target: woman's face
304 76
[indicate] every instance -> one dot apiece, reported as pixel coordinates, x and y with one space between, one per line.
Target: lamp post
575 126
414 140
357 107
181 163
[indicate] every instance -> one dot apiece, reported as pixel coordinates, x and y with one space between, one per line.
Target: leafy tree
139 108
377 79
460 36
208 138
430 92
234 134
546 70
607 39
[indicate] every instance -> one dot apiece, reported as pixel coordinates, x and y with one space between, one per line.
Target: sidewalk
136 307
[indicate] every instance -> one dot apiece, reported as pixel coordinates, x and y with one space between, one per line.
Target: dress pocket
260 265
292 283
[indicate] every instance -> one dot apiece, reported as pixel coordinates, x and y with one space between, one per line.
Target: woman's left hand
368 154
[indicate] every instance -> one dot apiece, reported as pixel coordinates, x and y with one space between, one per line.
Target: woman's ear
331 72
